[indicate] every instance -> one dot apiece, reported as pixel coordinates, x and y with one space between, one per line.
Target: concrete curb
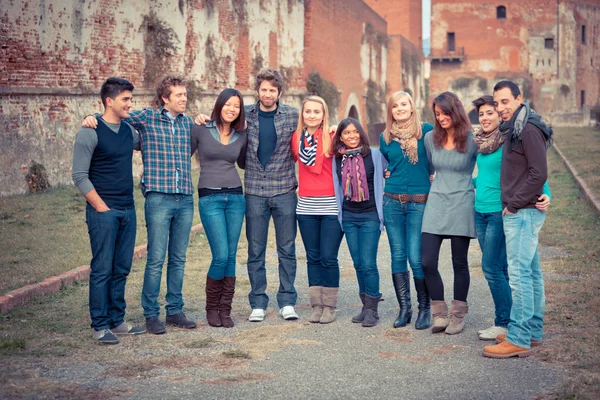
585 189
21 296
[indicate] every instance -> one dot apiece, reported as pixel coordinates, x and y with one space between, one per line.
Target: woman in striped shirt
317 208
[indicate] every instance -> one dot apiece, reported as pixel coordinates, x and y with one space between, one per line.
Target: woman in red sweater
317 210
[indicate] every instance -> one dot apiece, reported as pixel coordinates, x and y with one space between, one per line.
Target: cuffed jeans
525 276
258 214
169 220
490 234
222 216
363 239
322 236
112 238
403 223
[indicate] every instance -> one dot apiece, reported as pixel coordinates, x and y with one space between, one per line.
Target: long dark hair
337 139
224 96
450 104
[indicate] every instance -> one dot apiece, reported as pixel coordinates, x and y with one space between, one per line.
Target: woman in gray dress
449 213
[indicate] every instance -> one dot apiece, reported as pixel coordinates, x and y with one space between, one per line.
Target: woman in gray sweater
220 144
449 213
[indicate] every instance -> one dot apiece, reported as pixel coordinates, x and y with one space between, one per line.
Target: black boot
357 319
424 318
402 287
371 314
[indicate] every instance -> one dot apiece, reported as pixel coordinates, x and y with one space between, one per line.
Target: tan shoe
330 296
505 350
534 343
316 302
439 311
458 311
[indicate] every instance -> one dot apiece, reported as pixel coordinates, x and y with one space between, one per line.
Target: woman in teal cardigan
488 214
405 194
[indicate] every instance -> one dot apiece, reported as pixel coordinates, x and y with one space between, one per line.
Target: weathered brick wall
404 17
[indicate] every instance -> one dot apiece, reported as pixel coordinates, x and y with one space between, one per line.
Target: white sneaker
257 315
288 313
491 333
479 332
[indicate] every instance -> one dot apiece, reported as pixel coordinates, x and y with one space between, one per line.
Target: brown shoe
214 288
458 311
439 311
505 350
534 343
330 296
316 302
225 302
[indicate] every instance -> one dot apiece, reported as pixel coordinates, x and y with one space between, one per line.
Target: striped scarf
307 153
354 176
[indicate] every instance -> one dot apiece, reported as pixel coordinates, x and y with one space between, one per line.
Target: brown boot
439 310
357 319
330 296
213 297
316 303
226 300
458 311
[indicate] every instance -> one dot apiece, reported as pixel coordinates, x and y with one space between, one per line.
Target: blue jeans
363 240
169 222
490 234
258 214
222 216
322 236
403 225
112 238
525 276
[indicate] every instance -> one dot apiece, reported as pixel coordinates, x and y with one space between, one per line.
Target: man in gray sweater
524 171
102 171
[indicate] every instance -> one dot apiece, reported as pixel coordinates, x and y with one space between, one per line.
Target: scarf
307 152
354 176
405 135
514 127
488 142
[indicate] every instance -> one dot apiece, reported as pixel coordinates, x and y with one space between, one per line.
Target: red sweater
315 181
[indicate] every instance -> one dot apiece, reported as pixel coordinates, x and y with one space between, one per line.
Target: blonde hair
390 118
325 137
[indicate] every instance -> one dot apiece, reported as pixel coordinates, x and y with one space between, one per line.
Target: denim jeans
322 236
363 240
403 225
490 234
222 216
258 214
525 276
169 222
112 238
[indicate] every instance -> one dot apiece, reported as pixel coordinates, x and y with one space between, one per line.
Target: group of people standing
418 186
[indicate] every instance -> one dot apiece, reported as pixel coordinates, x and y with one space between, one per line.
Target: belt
407 198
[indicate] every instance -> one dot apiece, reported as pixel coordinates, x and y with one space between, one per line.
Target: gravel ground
299 360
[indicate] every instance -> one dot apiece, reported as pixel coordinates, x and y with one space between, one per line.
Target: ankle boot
371 314
402 288
226 300
439 309
424 318
458 311
316 302
360 317
330 296
213 298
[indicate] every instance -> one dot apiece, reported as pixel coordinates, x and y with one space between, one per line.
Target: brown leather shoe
534 343
505 350
225 303
214 288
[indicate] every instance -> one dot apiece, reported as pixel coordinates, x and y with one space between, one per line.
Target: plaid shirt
279 176
165 143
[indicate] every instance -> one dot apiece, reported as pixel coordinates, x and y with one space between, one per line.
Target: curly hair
271 75
163 89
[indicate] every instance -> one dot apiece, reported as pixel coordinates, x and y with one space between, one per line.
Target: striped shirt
165 143
325 205
279 175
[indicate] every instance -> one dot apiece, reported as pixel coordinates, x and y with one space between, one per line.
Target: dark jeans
363 240
222 216
258 214
403 223
430 245
169 222
112 238
322 236
490 234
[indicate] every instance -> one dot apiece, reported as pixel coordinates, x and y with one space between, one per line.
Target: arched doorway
353 112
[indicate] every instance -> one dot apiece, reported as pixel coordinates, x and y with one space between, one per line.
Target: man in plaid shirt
270 184
169 207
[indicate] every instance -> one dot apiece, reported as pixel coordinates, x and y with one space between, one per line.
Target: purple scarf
354 176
